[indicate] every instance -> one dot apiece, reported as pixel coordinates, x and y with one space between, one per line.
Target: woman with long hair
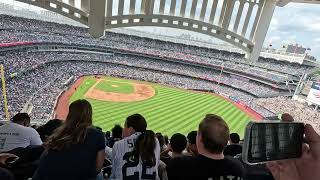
137 155
75 150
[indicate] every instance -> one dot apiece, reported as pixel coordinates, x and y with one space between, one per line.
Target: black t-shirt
203 168
232 150
78 162
165 158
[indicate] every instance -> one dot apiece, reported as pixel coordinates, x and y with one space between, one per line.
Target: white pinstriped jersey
128 170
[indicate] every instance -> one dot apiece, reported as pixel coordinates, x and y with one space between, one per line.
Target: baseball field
167 110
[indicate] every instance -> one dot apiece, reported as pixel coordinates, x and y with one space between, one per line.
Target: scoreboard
314 94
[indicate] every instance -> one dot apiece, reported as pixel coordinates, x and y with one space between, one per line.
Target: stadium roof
285 2
242 23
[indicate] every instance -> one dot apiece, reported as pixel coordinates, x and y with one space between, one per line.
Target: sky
294 23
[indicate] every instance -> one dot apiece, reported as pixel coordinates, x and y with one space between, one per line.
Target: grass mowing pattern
83 88
169 111
115 86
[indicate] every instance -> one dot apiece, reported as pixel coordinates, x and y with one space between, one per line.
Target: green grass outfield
115 86
170 111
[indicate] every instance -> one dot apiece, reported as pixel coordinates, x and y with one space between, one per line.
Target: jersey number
136 175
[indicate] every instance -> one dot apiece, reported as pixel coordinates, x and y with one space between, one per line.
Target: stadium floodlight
5 102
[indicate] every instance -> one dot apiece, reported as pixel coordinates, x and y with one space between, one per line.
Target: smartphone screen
275 141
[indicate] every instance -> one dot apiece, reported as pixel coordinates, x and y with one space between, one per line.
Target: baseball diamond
167 110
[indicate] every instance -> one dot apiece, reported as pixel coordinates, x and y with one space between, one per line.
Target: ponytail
144 148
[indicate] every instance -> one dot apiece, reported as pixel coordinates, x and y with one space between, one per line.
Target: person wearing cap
17 133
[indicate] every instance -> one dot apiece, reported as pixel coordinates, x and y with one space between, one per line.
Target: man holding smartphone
305 167
5 158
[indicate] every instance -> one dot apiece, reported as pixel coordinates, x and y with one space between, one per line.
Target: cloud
313 26
296 23
273 38
274 25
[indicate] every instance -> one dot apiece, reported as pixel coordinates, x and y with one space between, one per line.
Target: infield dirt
141 92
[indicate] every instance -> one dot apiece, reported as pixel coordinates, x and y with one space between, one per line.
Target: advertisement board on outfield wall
314 94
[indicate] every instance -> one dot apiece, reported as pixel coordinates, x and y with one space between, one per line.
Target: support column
72 3
97 18
203 10
262 29
282 3
193 9
173 7
149 7
85 5
183 8
120 7
162 6
132 6
227 14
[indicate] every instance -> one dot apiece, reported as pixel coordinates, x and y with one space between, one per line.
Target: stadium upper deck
211 19
48 45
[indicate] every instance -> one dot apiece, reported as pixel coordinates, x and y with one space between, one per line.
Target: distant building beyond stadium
291 53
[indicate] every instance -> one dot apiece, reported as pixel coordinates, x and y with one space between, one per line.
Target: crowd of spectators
21 60
19 23
85 152
38 67
218 62
299 111
74 149
53 69
21 29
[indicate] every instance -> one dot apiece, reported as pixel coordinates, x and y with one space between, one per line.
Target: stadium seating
37 74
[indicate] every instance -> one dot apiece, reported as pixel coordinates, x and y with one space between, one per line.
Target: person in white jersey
137 155
17 133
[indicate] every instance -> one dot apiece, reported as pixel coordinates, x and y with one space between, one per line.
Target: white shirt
120 166
13 135
108 151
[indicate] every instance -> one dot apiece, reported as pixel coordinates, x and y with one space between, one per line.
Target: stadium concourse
43 59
